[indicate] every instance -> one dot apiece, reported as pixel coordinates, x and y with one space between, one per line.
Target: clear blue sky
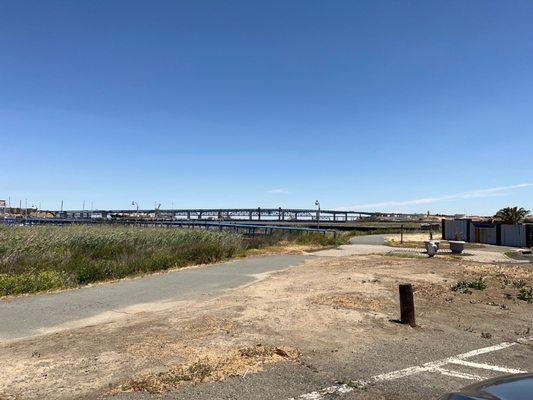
393 105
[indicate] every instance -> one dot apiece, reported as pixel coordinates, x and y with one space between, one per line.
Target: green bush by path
298 237
41 258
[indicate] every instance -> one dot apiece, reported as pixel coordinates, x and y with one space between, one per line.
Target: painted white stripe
433 366
457 374
317 395
389 376
487 366
484 350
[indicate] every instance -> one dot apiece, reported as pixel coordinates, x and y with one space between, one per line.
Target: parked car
509 387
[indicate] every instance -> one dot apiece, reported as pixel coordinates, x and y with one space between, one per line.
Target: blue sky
385 105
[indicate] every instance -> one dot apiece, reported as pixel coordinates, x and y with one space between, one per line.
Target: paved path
35 314
375 244
369 239
43 313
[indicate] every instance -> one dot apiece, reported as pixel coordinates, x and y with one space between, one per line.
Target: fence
519 235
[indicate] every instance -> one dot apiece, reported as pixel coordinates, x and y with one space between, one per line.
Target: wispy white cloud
497 191
278 191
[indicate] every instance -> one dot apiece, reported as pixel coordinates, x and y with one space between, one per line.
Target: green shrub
526 294
465 286
31 282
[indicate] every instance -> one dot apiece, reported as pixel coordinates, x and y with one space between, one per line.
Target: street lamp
317 203
134 203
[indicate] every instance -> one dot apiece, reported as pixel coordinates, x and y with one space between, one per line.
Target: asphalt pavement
419 365
34 314
369 239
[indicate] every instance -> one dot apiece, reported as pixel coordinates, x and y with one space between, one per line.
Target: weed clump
526 294
465 286
519 283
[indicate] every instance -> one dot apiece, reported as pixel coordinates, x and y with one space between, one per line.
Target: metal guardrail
246 229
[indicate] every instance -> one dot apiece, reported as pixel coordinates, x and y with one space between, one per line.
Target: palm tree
511 215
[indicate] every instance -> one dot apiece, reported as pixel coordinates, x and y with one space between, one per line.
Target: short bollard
407 305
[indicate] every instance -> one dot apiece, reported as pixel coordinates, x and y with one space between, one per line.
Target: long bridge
285 215
273 217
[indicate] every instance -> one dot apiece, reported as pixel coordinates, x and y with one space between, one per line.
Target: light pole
157 208
134 203
317 203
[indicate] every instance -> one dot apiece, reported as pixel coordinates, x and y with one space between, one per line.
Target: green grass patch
42 258
298 237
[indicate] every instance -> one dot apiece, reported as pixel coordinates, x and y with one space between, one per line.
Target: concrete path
369 239
43 313
375 244
359 245
354 250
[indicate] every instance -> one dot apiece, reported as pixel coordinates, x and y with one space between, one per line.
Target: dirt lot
308 318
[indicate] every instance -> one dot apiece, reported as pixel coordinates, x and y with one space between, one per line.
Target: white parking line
457 374
487 366
433 366
335 389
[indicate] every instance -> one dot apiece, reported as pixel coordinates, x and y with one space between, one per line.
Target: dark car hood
510 387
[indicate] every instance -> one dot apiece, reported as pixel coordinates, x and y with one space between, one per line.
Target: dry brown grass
215 365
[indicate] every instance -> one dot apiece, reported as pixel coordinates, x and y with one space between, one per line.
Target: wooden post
401 234
407 305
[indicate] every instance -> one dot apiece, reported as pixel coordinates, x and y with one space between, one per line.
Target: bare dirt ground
291 317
